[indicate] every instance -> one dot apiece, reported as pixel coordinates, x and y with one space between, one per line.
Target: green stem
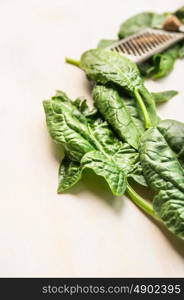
140 202
72 62
143 108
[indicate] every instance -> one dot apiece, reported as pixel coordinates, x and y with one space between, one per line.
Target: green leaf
147 67
135 24
131 105
161 64
105 43
134 111
126 157
159 19
69 174
165 96
180 14
173 132
137 174
165 176
83 134
164 62
66 129
105 137
139 22
81 104
105 66
114 111
181 50
77 108
106 168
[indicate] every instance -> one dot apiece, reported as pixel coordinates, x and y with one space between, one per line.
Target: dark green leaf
137 174
81 104
123 154
181 51
66 129
134 112
105 43
165 96
173 132
81 135
180 14
131 105
165 176
146 68
72 106
106 168
105 66
135 24
140 22
164 62
114 111
69 174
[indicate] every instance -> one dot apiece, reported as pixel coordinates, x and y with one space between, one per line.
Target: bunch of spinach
89 142
122 137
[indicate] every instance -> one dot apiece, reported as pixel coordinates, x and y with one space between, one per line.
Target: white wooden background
85 232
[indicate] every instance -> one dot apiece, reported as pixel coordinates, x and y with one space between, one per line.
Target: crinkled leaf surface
105 66
140 22
81 135
66 129
173 132
69 174
165 176
115 112
164 62
107 168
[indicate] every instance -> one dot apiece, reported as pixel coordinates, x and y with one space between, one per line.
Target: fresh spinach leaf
165 96
107 168
137 174
122 112
173 132
114 111
180 14
181 51
131 105
67 130
88 143
81 104
140 22
134 111
126 157
105 43
163 63
105 66
165 176
146 68
69 174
